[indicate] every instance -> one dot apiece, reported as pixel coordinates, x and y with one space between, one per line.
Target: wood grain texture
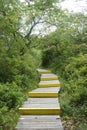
50 83
37 122
48 77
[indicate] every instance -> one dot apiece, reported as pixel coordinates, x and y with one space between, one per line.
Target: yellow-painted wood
39 111
49 85
43 71
43 95
49 78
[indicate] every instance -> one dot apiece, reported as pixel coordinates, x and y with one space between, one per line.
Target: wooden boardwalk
42 109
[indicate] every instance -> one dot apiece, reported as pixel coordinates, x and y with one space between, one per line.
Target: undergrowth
72 73
20 78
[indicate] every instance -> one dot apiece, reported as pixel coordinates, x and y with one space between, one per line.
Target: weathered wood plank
42 101
48 77
40 111
51 92
38 117
43 71
41 106
50 83
43 122
50 89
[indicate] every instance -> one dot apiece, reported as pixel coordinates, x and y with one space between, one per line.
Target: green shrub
17 75
79 98
11 96
77 67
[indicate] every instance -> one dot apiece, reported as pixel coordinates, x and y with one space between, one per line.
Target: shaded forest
22 51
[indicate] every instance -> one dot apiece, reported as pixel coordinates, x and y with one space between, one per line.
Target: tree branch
34 23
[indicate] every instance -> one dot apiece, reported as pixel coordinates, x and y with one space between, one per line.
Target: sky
75 5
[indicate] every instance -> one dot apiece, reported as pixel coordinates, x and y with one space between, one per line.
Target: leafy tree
17 64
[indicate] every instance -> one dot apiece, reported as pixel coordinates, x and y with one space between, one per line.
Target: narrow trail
42 109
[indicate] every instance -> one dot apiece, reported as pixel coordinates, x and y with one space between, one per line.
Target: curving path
42 109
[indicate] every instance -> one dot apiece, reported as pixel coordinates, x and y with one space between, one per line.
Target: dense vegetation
18 64
66 55
64 51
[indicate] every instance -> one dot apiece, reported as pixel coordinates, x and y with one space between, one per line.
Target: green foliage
68 59
11 97
48 55
75 75
76 69
79 97
18 64
18 75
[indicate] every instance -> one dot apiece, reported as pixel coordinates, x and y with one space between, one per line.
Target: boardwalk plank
51 92
50 83
45 92
50 76
50 89
42 101
39 123
43 71
40 106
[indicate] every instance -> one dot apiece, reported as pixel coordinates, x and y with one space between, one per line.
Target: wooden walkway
42 109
